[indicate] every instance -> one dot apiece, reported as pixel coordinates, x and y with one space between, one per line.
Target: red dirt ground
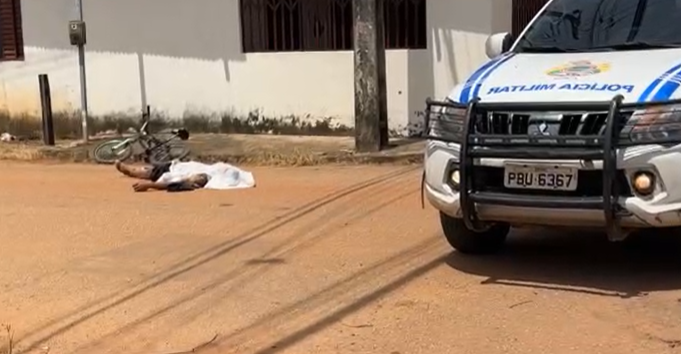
313 260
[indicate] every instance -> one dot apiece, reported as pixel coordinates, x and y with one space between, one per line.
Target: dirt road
313 260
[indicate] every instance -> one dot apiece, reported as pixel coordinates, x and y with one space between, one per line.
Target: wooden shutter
11 41
523 12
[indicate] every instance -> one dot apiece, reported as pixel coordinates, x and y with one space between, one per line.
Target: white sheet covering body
222 175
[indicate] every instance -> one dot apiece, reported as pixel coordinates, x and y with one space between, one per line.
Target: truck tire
470 242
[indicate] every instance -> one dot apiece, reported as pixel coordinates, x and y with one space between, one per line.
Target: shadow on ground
581 262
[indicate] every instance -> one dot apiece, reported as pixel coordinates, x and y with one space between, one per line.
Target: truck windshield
603 25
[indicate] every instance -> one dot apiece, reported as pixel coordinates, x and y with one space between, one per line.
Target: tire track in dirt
33 338
317 311
325 225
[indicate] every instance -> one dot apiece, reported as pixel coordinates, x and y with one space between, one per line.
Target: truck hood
639 76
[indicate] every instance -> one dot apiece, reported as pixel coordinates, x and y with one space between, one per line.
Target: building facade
276 57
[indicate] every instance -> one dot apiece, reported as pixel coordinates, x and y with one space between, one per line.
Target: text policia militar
561 87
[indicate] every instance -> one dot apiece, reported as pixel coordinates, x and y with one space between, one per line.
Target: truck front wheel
471 242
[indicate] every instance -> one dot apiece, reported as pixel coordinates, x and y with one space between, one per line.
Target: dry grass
34 151
293 158
7 346
253 150
21 152
67 125
301 158
296 157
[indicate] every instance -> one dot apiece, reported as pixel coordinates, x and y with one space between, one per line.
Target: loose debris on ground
198 347
7 347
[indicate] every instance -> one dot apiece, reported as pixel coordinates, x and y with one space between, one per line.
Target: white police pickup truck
577 122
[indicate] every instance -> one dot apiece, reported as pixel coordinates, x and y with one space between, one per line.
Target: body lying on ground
178 176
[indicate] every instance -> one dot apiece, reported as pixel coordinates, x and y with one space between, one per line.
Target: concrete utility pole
371 107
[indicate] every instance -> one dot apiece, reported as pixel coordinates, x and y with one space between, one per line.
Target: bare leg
141 172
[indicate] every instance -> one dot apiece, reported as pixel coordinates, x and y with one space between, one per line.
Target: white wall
199 66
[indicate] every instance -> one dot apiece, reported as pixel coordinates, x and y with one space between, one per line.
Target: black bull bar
604 145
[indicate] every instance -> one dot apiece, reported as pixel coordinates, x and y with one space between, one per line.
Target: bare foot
141 172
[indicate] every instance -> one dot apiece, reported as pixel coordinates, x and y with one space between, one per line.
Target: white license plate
540 177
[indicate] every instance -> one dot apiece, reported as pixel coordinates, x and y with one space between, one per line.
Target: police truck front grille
546 124
544 131
569 124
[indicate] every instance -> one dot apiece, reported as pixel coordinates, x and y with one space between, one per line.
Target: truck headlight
656 124
446 121
643 182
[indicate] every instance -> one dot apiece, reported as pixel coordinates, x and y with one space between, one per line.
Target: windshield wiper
637 45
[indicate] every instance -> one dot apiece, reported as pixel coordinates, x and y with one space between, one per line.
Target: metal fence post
84 116
46 106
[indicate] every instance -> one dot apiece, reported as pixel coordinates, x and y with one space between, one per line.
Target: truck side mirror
498 44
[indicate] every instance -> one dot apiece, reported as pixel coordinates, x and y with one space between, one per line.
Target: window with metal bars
324 25
11 39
